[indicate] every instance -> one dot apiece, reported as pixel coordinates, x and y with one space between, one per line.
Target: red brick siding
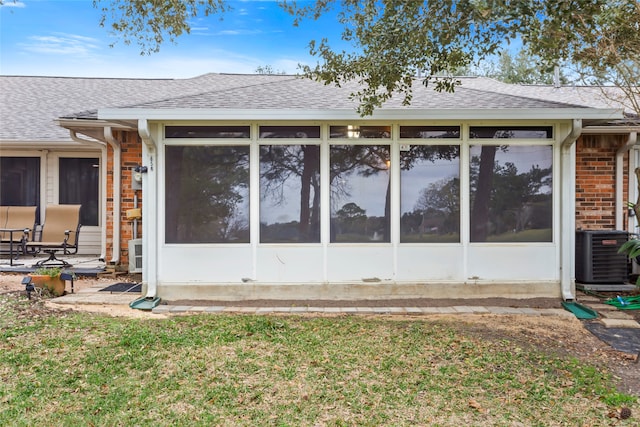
130 156
595 181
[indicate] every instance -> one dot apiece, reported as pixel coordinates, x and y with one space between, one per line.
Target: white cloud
236 32
11 3
154 66
61 44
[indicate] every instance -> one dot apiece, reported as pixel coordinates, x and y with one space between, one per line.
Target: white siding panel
289 264
513 262
205 264
430 263
90 241
356 263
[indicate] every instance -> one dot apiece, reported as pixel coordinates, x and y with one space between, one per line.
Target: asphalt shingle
29 105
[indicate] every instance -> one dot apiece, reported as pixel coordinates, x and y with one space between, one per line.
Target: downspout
117 184
620 204
567 211
149 221
103 180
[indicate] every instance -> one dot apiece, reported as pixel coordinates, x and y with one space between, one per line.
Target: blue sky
63 38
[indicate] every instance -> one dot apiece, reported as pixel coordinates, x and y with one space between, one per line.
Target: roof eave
92 124
110 114
18 144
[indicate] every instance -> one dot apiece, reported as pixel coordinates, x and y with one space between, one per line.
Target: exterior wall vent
597 257
135 256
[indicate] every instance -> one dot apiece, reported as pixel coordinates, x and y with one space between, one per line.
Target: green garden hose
625 303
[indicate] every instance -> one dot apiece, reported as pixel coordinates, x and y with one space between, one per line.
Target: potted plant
49 278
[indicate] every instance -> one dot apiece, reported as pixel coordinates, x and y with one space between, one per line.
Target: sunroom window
511 193
511 132
429 132
207 131
207 194
289 131
290 193
430 194
357 132
360 193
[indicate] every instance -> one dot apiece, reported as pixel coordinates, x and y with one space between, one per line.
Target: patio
82 265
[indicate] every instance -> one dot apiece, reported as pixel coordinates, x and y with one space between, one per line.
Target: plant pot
55 284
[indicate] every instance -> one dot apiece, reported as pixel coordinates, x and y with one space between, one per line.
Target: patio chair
16 222
60 232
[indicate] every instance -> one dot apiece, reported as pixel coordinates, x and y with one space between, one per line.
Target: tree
282 162
505 199
395 40
365 161
352 218
613 59
441 200
205 188
523 68
268 69
150 22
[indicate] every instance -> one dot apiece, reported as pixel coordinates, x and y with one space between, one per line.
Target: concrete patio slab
616 315
620 323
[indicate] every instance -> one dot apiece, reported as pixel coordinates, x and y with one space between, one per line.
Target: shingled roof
29 105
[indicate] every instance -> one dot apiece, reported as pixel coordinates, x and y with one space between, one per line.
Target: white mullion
395 183
465 201
325 193
254 198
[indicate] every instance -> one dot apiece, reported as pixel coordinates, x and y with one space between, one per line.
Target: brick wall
131 156
595 181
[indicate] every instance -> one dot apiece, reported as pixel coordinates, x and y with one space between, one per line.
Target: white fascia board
348 114
90 124
38 145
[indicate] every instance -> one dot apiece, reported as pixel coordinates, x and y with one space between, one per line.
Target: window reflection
207 131
355 132
207 194
289 193
427 132
511 132
360 193
430 194
289 131
511 197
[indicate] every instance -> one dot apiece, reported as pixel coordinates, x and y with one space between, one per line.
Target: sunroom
329 205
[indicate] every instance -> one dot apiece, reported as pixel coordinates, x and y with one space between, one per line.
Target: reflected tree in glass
206 197
511 193
360 193
289 193
430 194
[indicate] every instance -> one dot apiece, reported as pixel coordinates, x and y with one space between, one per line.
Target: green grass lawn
81 369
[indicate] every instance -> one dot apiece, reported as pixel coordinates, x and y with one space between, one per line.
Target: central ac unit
597 257
135 256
